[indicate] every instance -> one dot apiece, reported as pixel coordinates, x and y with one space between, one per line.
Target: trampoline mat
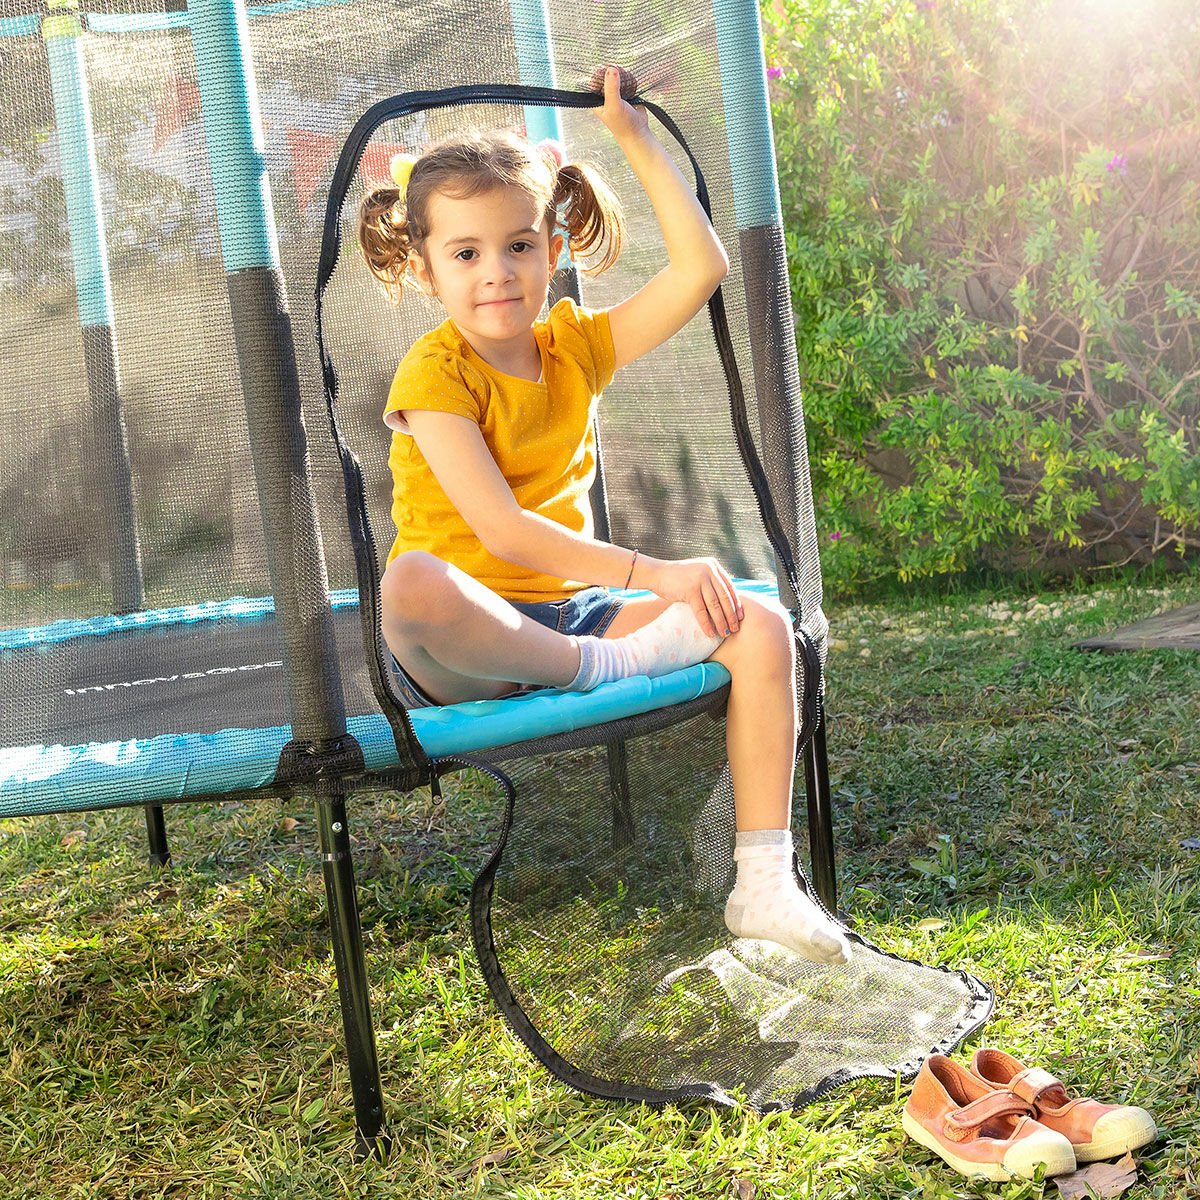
146 682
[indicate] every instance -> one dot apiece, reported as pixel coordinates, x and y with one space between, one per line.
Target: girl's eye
519 246
460 254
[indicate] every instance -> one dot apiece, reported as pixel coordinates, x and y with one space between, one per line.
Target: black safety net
146 518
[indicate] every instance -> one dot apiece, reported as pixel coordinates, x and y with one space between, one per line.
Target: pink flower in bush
774 72
1118 164
835 536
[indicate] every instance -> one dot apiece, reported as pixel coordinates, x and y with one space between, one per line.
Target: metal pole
271 391
93 297
773 351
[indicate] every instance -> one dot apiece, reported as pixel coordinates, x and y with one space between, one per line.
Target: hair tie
400 167
553 149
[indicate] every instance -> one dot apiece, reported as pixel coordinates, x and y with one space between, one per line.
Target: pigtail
384 237
590 214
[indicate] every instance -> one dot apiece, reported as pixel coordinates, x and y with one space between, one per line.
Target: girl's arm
698 261
461 462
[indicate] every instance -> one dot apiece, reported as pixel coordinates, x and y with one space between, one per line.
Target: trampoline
162 734
195 491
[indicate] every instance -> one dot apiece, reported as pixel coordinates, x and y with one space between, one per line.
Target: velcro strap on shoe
965 1122
1031 1083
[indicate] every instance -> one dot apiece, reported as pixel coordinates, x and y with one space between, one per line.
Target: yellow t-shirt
540 434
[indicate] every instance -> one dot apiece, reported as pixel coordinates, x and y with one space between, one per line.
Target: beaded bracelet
632 564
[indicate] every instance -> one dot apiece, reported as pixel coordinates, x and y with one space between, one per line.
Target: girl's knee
414 586
766 630
766 616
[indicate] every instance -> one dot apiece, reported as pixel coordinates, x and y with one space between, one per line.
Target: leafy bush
992 222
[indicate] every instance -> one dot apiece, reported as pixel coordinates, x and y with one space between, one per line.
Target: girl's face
488 259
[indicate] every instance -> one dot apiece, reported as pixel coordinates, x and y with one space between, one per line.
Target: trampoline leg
346 934
820 818
156 829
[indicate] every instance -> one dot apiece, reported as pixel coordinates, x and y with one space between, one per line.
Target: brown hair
392 226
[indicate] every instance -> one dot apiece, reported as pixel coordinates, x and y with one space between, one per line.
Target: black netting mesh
608 950
127 483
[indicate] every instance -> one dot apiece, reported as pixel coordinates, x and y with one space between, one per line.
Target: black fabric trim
594 1085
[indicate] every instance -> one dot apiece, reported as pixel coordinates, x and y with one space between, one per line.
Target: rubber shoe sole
1020 1160
1127 1128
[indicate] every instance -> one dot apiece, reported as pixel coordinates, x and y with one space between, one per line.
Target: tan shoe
979 1129
1095 1130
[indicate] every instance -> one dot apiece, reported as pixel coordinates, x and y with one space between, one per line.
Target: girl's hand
703 584
622 119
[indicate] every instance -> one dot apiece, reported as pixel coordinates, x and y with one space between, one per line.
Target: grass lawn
1004 803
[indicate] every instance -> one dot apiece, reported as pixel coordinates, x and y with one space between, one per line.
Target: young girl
493 454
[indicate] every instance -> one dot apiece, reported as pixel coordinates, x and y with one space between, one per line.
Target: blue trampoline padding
170 767
120 23
753 172
234 133
80 172
242 608
20 26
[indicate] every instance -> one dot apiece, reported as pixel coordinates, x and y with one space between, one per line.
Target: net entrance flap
599 921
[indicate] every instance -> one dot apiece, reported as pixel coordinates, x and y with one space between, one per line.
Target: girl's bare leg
760 741
459 640
761 720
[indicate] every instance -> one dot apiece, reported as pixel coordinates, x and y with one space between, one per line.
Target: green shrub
992 223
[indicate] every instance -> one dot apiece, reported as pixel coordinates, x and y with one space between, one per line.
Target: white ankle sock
767 903
671 641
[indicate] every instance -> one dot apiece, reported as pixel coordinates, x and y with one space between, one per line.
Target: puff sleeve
437 380
584 335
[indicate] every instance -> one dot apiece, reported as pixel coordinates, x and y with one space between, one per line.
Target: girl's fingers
709 612
612 86
726 612
738 606
734 602
718 613
728 609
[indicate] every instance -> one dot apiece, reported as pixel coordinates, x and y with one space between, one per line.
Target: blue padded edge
136 22
747 114
156 22
80 173
44 779
535 65
244 608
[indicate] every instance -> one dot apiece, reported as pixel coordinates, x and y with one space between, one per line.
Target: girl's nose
501 267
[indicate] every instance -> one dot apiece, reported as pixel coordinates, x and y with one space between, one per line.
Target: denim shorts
590 611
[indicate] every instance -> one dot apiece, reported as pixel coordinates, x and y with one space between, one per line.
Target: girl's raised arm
697 260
